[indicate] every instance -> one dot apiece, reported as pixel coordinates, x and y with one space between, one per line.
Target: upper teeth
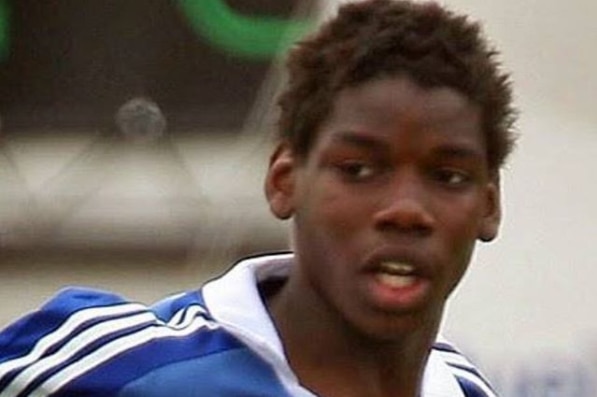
399 268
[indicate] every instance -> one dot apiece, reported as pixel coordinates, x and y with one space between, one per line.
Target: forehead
398 108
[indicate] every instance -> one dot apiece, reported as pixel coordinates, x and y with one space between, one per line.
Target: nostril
405 216
418 230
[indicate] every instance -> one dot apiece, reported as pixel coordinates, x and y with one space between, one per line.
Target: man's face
387 205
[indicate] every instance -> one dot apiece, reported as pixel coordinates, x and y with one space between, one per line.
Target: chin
392 328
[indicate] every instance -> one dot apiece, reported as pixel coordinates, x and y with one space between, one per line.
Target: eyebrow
450 150
459 151
361 140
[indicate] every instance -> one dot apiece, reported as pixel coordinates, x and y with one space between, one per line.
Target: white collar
233 300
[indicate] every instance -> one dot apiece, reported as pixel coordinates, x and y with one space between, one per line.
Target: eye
356 170
452 177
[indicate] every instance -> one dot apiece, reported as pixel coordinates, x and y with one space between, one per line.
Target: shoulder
469 378
70 309
84 335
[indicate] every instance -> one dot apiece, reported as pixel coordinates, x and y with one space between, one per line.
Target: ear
280 182
492 217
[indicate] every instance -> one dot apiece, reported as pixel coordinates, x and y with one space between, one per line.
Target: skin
397 173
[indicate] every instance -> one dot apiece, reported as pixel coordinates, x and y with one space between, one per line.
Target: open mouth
396 274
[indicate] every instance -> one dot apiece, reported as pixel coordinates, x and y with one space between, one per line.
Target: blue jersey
215 342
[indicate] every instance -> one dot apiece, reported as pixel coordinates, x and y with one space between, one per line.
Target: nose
405 208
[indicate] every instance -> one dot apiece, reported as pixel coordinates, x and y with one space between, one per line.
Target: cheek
329 229
335 214
460 231
461 219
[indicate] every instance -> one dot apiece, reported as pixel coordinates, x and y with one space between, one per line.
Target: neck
332 358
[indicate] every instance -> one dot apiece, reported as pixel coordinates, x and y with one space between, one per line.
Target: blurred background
134 136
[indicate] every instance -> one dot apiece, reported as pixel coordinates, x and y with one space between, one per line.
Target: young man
394 125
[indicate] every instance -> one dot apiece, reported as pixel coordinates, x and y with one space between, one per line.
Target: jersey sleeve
86 342
90 343
35 350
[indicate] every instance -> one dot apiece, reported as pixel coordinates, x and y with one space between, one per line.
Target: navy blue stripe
471 371
19 338
168 307
475 373
470 389
86 350
444 347
7 377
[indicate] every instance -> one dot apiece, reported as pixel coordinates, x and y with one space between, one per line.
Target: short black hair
380 38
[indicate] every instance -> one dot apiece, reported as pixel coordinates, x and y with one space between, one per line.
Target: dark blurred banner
70 64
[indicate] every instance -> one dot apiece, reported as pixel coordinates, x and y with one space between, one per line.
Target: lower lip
403 298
